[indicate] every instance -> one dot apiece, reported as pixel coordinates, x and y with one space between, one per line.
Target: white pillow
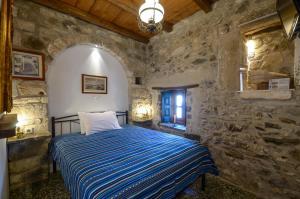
98 122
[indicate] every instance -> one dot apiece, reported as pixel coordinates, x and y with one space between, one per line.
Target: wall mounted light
22 120
251 48
143 111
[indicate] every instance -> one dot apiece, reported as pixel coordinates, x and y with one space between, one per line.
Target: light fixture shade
251 48
151 11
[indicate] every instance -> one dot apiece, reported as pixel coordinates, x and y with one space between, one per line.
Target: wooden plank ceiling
121 15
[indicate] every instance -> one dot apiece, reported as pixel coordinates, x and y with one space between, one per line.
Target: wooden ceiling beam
76 2
131 8
263 24
205 5
80 14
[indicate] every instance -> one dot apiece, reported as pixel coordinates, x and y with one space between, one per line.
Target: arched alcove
64 80
58 45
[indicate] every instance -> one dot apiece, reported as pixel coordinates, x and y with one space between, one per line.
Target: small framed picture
92 84
28 64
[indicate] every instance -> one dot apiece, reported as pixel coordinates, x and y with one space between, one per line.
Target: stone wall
297 62
273 53
255 143
45 30
28 160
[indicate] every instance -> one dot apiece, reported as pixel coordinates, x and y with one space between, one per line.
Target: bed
131 162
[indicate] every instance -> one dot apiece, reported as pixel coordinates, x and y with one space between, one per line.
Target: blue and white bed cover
132 162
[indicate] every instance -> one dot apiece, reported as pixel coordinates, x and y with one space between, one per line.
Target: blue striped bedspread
132 162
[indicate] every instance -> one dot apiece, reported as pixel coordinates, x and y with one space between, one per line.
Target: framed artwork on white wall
92 84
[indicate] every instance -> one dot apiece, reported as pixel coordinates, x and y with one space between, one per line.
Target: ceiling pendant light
151 15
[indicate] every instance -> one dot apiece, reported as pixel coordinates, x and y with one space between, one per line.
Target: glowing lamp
151 10
151 15
143 111
251 48
22 121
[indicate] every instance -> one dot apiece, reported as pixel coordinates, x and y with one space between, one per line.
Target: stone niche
274 53
141 99
158 107
31 105
269 54
273 58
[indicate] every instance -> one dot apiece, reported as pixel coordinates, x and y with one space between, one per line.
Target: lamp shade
251 48
151 11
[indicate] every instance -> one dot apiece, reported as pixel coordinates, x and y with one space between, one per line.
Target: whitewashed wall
64 81
3 170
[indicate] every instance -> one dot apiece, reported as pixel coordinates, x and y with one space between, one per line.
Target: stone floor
54 189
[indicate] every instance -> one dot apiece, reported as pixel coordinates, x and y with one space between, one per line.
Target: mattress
131 162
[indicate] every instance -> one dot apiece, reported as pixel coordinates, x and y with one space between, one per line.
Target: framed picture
92 84
28 64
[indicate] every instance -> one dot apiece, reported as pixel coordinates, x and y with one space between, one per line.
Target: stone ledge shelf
266 94
28 136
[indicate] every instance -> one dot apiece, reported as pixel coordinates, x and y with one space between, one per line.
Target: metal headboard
71 119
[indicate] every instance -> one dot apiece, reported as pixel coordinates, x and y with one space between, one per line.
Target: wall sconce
143 111
251 48
22 121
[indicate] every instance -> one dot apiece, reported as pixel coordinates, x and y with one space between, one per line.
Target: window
174 107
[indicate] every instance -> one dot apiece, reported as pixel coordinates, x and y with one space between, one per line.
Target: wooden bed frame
69 120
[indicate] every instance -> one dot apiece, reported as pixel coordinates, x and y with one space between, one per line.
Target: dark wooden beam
80 14
76 2
176 87
91 8
263 24
131 8
205 5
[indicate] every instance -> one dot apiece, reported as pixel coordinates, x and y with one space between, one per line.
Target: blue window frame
174 107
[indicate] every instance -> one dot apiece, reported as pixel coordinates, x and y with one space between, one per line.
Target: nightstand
28 159
145 124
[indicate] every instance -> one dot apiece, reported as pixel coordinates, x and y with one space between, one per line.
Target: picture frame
92 84
28 64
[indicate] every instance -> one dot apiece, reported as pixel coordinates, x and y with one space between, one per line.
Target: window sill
177 127
266 94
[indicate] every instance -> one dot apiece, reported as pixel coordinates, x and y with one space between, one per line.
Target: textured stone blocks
24 25
28 160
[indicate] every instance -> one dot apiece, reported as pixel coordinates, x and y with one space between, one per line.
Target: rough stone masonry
48 31
255 143
45 30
